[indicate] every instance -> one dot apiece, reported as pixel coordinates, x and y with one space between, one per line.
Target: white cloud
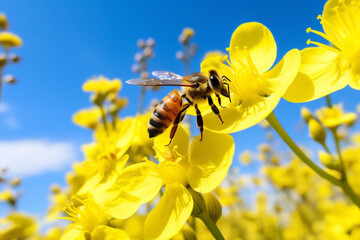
31 157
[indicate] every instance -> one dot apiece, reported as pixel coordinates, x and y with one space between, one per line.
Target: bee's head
217 84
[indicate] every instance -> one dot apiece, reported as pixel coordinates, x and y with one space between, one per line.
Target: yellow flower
255 90
105 157
3 21
87 117
335 116
18 226
102 85
89 222
8 39
204 169
325 69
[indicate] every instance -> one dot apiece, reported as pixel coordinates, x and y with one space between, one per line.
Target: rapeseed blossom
201 168
328 68
255 88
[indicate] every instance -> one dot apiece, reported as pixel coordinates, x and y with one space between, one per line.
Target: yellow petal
135 185
321 73
103 232
90 183
209 161
255 40
340 19
8 39
170 214
180 142
277 80
126 134
73 233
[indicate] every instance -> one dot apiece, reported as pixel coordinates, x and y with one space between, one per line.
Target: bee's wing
165 75
159 82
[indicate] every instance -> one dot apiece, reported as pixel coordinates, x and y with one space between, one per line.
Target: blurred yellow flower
18 226
88 118
3 21
102 85
325 69
255 90
105 158
8 39
334 117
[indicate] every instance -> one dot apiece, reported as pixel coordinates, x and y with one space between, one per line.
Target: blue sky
67 42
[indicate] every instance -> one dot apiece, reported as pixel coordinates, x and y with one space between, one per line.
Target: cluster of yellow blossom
8 40
133 187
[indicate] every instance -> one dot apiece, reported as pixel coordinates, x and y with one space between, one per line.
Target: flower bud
199 203
188 32
141 43
317 131
2 59
139 57
55 188
14 58
306 114
3 22
9 79
179 55
15 182
329 161
148 52
213 206
150 42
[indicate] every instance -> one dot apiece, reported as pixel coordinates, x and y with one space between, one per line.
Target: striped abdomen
165 113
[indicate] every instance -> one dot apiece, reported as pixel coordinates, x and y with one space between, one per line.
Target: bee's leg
214 108
199 121
187 99
228 88
178 119
219 100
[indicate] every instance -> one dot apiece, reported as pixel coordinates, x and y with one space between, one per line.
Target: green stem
211 226
344 185
275 124
326 148
350 193
328 101
103 118
338 150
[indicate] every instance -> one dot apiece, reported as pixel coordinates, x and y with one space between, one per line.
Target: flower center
172 172
248 85
85 214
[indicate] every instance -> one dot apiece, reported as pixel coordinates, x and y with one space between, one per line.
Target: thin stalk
344 185
275 124
211 226
328 101
103 118
338 150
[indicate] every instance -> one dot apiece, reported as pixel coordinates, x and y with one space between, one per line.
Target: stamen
308 42
308 30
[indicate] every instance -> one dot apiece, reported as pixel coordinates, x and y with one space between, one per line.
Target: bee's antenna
226 78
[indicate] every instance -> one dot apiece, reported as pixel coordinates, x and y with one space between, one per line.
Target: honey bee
196 88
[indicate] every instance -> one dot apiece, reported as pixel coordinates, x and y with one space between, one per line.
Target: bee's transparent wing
165 75
159 82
